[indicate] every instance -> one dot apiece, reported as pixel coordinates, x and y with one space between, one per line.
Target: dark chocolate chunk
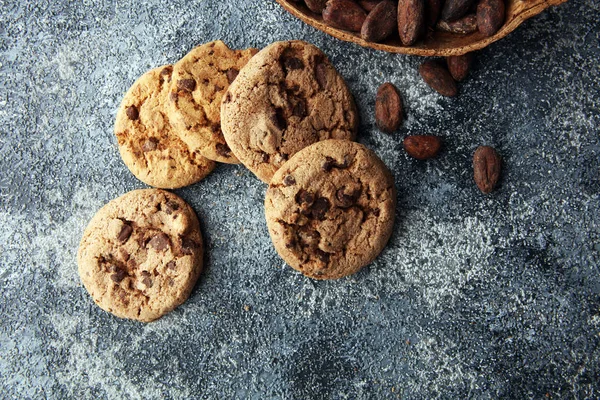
125 233
321 74
150 144
328 164
223 150
289 180
323 256
146 279
278 118
299 109
346 200
232 73
167 70
304 197
320 208
186 84
292 63
118 276
188 246
170 207
132 113
159 241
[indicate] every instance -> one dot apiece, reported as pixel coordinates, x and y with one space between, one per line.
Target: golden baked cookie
199 81
147 143
141 254
287 97
330 209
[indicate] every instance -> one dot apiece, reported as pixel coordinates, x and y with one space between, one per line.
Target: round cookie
287 97
147 143
199 82
141 254
330 209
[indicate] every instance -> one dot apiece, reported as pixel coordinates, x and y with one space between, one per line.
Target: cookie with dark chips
330 209
287 97
147 142
200 79
141 254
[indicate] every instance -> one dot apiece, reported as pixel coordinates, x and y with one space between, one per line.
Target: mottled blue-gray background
474 297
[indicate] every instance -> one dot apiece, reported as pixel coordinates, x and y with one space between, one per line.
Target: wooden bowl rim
517 12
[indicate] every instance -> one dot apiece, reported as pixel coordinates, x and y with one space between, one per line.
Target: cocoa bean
459 66
490 16
422 147
368 5
316 6
381 22
464 25
438 78
411 20
432 12
454 9
388 108
487 165
344 14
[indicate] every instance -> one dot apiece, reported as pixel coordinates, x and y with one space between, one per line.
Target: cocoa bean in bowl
424 27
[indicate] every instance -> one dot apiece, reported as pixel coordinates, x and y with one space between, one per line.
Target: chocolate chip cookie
199 82
330 209
141 254
287 97
147 143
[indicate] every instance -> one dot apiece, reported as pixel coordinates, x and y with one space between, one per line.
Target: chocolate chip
172 265
170 207
167 70
292 243
265 157
159 242
118 276
376 212
218 88
278 119
323 256
146 279
331 163
222 149
346 200
150 144
299 109
320 208
188 246
304 197
292 63
125 233
321 75
186 84
232 73
132 113
328 164
174 96
289 180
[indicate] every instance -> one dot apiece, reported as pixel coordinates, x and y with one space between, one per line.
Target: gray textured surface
474 297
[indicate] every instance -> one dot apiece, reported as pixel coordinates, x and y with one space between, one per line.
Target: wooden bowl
436 43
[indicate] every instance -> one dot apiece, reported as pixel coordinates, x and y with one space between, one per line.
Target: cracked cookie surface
141 254
287 97
330 209
147 143
200 79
